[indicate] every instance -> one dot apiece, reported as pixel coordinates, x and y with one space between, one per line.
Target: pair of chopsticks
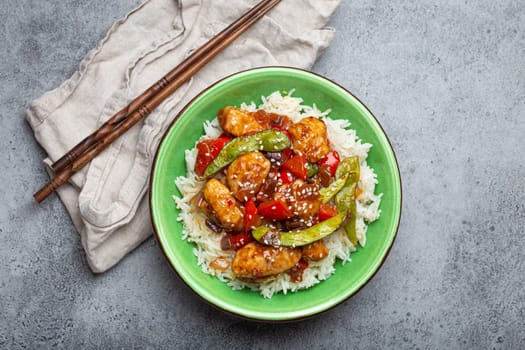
139 108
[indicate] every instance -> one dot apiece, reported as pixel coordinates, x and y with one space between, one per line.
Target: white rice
207 243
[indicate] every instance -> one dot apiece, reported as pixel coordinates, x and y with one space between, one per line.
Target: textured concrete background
447 81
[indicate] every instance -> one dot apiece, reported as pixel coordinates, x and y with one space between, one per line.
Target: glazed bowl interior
169 163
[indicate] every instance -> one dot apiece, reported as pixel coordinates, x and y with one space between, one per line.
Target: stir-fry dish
271 192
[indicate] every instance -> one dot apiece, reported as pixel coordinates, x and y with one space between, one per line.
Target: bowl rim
154 166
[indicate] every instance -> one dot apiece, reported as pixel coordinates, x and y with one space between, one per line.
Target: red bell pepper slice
251 217
331 160
240 240
286 176
274 210
326 211
286 154
297 165
207 150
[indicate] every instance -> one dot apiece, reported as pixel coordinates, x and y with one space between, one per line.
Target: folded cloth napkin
107 200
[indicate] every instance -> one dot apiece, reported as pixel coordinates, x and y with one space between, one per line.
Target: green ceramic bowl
169 163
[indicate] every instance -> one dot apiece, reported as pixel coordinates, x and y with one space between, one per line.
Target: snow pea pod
327 193
345 200
349 166
349 226
268 140
271 236
345 197
347 173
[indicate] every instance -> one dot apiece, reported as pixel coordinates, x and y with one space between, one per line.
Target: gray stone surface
447 81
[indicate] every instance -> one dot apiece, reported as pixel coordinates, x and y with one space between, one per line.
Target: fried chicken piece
238 122
309 136
254 260
246 175
225 207
302 198
315 251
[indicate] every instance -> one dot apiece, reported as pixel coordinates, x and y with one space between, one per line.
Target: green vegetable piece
345 203
268 140
349 226
312 169
327 193
349 166
270 236
346 175
345 200
345 197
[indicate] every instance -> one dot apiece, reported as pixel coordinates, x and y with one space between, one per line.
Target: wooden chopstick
111 123
127 121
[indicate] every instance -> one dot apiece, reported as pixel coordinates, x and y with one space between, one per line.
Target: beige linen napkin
107 199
